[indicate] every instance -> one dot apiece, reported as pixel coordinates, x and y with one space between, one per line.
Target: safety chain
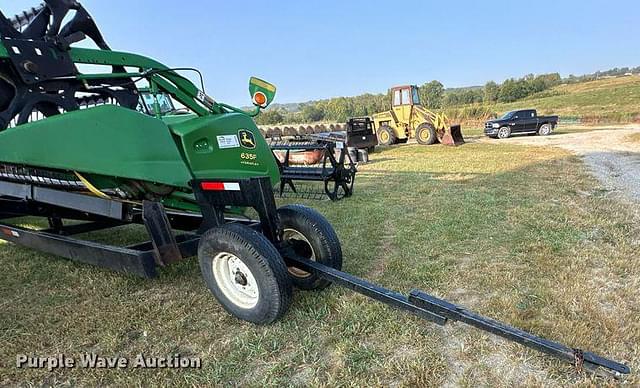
578 356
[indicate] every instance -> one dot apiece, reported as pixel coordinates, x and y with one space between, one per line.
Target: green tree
432 94
312 113
491 92
270 117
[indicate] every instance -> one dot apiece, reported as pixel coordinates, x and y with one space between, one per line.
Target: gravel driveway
609 153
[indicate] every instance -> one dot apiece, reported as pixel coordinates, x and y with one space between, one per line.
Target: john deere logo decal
247 140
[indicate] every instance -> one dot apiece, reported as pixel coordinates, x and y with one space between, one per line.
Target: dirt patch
611 157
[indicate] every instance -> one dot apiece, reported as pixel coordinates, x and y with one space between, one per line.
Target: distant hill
472 104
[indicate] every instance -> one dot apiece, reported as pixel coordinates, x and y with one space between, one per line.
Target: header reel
39 76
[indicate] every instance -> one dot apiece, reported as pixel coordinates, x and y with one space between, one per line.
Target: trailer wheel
245 273
386 136
426 134
312 237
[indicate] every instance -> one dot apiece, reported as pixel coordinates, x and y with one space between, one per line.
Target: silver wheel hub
235 280
503 133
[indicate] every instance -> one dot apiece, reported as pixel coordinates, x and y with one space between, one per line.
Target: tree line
432 94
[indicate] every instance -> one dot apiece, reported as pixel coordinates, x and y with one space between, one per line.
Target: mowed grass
520 234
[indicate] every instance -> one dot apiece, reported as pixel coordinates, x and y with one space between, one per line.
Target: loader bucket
453 136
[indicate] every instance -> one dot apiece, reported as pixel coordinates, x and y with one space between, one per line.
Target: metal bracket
164 242
255 193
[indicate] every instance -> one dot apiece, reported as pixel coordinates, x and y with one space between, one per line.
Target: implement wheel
426 134
245 273
312 237
386 136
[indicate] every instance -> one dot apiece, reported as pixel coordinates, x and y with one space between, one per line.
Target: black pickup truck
520 121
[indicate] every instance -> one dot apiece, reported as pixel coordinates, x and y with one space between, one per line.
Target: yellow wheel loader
408 119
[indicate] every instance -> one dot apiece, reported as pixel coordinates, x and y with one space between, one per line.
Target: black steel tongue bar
439 311
457 313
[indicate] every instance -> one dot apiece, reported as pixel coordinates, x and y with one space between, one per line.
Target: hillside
612 100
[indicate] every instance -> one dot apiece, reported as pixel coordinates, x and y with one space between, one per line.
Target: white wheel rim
292 234
545 130
503 133
235 280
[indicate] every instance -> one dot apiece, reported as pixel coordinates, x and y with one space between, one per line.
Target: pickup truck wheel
386 136
545 130
504 133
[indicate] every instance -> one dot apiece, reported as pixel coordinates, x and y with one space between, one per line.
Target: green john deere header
85 130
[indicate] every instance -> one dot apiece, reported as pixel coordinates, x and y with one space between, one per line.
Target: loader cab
403 98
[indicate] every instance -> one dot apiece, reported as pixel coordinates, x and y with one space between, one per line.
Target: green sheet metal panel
105 140
227 146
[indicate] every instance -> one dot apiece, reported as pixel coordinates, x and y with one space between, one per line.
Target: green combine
91 150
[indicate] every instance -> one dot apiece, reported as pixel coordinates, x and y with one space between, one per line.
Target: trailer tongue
440 311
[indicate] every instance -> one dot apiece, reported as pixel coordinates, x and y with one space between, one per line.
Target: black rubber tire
264 262
424 129
322 238
389 139
506 130
371 149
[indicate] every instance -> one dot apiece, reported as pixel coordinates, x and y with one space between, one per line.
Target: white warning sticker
228 141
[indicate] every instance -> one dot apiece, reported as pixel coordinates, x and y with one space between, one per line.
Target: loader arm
439 120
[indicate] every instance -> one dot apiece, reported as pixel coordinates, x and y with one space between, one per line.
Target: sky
320 49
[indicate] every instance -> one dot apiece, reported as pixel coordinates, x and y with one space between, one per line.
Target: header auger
76 146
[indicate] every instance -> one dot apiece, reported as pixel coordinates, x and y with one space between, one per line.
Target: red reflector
212 186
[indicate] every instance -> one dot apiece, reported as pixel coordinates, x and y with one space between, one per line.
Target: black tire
545 130
426 134
300 223
386 136
266 267
504 133
371 149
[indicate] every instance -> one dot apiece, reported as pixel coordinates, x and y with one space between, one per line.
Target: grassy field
521 234
612 100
